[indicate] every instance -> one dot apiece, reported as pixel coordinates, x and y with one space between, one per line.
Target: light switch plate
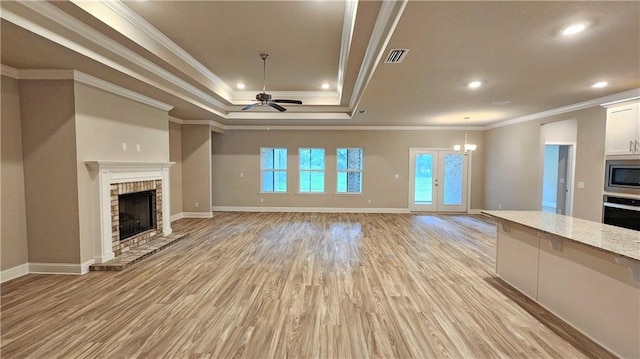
580 184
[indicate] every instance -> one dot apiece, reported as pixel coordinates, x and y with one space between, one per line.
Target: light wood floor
293 285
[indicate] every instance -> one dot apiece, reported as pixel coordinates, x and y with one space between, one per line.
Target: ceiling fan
263 97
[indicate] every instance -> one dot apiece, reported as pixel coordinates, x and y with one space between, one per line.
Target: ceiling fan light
469 147
456 148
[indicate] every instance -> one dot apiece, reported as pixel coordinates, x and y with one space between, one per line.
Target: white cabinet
623 130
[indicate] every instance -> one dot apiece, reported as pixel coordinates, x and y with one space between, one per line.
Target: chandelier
467 147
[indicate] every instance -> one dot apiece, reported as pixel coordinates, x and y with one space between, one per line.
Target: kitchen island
586 273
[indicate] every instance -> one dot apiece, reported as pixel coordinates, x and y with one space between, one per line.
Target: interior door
423 184
563 179
452 186
438 181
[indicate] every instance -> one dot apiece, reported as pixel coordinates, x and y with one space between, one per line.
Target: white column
103 245
166 203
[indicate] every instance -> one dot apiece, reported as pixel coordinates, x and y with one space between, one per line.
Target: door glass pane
423 181
453 180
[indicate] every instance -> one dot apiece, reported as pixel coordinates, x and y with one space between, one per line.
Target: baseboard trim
197 215
60 268
307 209
177 216
14 272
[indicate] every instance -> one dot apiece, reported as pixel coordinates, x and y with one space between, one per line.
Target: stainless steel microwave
622 176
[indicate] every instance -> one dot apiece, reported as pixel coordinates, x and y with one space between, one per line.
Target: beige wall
196 168
513 172
587 202
175 173
51 184
103 122
13 231
386 153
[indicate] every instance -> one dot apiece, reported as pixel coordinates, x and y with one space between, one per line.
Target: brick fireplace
118 243
110 181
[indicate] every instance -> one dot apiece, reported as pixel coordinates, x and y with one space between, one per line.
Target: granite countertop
616 240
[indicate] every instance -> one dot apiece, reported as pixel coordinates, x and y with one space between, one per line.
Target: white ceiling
191 55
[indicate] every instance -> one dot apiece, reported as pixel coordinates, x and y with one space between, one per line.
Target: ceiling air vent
396 56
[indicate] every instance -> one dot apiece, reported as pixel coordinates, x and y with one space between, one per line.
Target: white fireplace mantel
110 172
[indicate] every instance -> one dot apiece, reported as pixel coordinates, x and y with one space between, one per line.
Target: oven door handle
622 206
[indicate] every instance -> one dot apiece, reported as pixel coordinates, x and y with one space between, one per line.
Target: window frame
323 170
361 170
274 170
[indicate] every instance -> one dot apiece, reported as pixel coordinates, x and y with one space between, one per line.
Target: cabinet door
623 125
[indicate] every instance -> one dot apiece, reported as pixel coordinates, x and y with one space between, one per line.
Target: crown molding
311 98
9 72
213 125
196 96
220 87
43 74
74 75
176 120
121 91
247 115
349 24
386 22
621 96
351 128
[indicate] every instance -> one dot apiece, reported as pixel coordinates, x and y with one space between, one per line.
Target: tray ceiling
192 55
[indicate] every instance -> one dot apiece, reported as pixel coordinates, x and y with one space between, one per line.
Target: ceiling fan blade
250 106
296 102
277 107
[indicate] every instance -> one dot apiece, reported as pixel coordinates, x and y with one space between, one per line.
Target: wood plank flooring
299 285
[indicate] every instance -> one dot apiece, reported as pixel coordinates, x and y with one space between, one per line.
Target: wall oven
622 176
622 212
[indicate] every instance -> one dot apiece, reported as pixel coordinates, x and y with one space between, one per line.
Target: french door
438 180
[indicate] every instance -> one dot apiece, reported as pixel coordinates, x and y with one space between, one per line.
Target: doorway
557 189
438 180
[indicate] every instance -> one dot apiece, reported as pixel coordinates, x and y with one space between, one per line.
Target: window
349 161
312 170
273 163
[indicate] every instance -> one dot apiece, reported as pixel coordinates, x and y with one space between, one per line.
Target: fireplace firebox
136 213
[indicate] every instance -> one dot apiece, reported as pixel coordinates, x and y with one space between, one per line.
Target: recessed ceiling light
325 86
573 29
475 84
240 85
600 84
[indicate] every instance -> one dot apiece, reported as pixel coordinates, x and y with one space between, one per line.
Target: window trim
274 170
361 170
323 170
